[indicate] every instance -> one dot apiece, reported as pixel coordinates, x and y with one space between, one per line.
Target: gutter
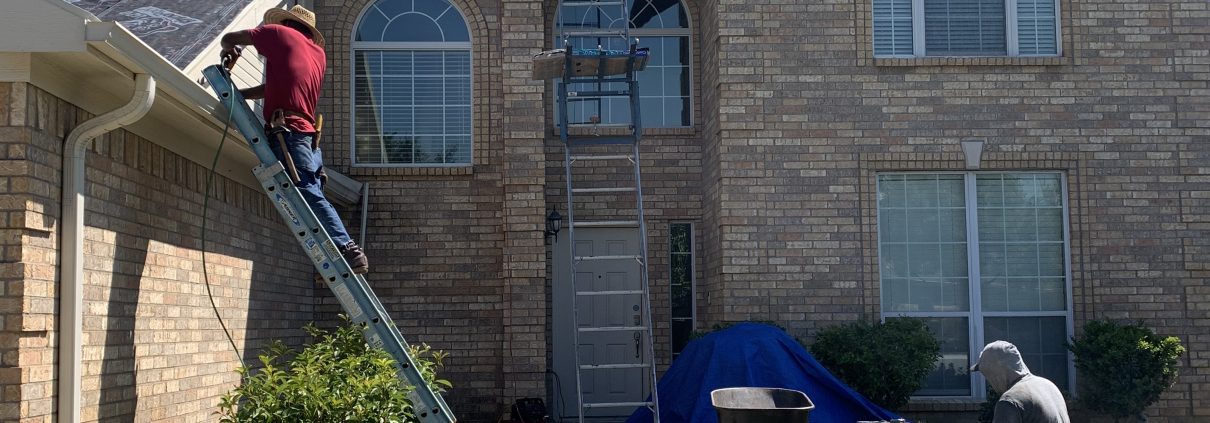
71 265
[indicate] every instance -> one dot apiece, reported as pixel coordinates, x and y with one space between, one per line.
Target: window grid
412 86
1052 363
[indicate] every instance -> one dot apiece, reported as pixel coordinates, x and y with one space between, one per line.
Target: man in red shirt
294 71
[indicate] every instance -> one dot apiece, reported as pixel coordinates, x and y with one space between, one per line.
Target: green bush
338 378
1123 369
885 362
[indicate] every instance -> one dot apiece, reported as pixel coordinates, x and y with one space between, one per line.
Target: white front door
622 347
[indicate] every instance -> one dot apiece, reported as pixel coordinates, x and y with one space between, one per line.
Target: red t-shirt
294 72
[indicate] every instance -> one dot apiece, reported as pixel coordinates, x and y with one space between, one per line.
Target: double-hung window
979 257
664 95
411 85
964 28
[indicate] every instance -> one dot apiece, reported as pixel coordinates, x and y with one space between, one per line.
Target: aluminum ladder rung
600 190
584 158
606 224
589 258
614 366
591 95
601 125
593 140
607 293
594 33
590 3
612 329
618 404
594 79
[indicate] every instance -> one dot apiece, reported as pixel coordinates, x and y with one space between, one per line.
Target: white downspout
71 263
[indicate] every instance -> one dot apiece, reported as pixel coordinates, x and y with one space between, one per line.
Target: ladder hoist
593 76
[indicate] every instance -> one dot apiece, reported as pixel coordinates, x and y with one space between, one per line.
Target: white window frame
1012 47
355 46
639 33
975 332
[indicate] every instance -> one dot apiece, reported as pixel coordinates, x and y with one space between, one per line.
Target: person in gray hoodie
1026 398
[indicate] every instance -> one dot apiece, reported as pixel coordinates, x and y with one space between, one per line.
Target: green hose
205 209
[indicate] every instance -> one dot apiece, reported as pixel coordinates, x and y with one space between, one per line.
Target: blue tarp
753 355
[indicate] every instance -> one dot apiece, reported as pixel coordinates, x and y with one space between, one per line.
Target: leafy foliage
338 378
1123 369
885 362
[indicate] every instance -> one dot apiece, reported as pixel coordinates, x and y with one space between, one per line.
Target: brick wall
153 348
805 127
456 253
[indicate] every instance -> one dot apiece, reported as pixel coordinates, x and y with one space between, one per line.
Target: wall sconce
554 221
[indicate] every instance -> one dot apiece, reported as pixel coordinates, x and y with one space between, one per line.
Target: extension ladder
350 289
607 82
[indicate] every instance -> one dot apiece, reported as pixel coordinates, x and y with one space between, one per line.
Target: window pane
964 28
1036 27
413 107
412 21
682 329
893 27
1021 246
681 283
1040 340
892 192
923 259
952 375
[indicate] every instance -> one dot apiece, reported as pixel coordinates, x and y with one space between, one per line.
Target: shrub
338 378
885 362
1123 369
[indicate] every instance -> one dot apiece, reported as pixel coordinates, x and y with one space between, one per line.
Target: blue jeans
309 163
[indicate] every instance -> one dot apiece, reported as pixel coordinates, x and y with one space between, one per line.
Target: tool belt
276 128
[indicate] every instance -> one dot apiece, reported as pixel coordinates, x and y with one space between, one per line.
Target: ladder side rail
637 128
351 290
564 86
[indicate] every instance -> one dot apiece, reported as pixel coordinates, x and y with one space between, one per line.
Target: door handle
637 344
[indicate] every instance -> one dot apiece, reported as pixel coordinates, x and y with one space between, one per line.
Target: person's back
294 73
1032 399
1026 398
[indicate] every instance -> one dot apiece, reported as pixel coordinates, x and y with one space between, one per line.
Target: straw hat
297 14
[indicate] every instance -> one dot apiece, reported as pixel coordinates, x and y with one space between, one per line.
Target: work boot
356 258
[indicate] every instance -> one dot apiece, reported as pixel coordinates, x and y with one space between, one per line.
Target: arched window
662 26
412 85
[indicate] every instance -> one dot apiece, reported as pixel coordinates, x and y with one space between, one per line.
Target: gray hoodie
1026 398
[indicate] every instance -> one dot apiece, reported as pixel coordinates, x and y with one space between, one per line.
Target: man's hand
231 42
228 57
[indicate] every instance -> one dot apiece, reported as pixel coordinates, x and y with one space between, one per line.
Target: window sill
972 61
936 404
363 170
684 131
